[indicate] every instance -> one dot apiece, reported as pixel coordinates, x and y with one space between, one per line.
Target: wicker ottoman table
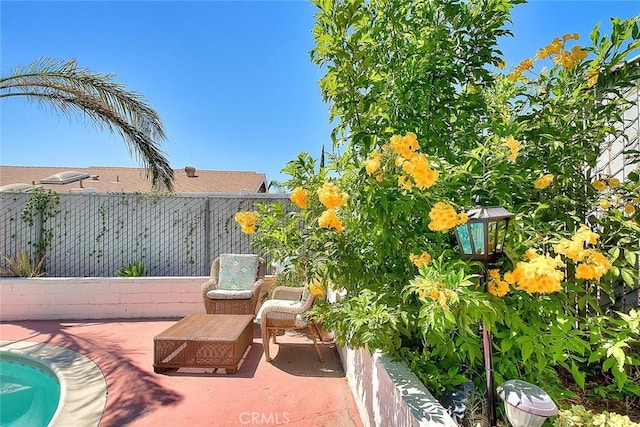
203 341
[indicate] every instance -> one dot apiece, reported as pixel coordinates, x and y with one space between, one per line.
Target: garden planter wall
99 298
389 394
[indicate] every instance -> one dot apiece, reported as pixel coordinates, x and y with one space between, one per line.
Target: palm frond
109 105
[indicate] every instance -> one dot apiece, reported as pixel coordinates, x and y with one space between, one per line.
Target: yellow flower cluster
247 221
592 77
569 59
591 264
526 64
405 145
415 166
513 145
599 185
372 164
496 285
602 185
316 288
300 197
418 168
539 274
420 260
331 196
543 182
553 48
429 288
444 217
329 219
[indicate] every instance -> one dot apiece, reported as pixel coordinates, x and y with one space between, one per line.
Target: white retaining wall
389 394
99 298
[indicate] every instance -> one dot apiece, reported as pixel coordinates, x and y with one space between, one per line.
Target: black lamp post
481 238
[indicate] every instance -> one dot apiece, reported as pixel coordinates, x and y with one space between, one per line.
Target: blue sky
232 80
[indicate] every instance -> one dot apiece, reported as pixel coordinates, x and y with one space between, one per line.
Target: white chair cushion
229 294
300 322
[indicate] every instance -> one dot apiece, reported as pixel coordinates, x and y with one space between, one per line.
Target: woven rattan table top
208 327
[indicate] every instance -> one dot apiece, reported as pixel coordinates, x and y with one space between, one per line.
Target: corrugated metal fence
95 235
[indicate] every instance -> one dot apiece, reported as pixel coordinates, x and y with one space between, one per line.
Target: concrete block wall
99 298
389 394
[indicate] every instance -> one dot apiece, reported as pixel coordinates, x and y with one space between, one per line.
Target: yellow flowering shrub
300 197
544 181
444 217
247 221
331 196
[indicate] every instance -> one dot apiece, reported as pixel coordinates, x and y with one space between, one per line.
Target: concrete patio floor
295 389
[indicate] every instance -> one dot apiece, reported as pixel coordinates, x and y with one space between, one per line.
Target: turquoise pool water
29 392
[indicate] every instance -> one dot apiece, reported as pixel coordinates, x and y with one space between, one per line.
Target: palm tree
108 104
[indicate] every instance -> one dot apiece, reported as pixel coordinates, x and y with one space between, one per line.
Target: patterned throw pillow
237 272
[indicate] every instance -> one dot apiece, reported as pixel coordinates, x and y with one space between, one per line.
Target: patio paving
294 390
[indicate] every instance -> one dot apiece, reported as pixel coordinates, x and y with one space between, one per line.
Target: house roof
104 179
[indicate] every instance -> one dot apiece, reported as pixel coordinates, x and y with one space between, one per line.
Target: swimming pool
29 392
81 386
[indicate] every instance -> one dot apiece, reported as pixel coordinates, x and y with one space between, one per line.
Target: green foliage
431 68
133 269
23 266
41 208
578 416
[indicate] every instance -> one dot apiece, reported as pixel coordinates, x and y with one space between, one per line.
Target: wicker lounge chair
286 310
234 285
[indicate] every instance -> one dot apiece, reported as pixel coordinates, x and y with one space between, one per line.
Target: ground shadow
247 366
131 391
295 354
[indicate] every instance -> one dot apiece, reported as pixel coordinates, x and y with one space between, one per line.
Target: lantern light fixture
482 237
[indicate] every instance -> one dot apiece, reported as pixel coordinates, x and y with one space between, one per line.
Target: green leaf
621 378
628 279
578 376
614 253
631 257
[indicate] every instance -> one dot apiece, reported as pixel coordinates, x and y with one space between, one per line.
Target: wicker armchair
286 310
230 289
